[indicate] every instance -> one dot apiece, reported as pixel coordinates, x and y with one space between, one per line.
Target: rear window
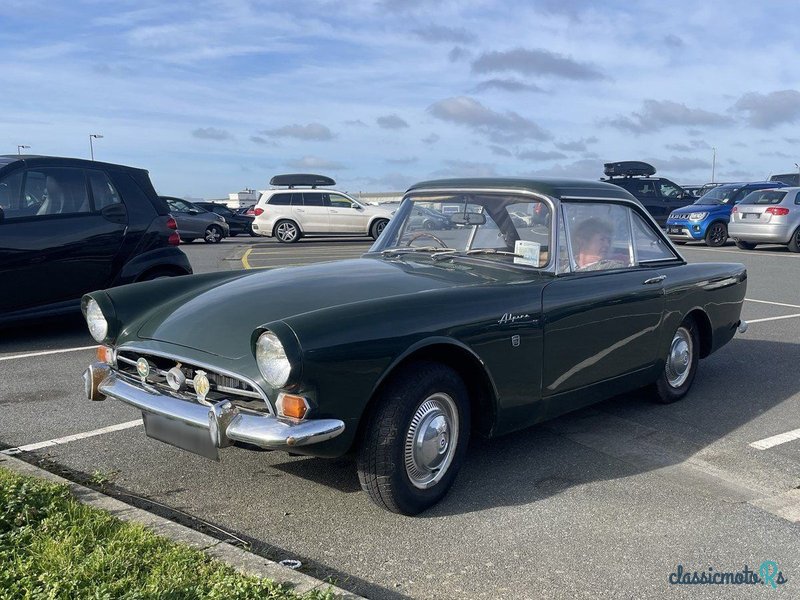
764 197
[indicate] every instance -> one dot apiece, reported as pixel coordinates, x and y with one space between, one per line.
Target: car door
346 216
55 243
601 320
312 213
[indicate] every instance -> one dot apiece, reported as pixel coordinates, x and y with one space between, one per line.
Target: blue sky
215 96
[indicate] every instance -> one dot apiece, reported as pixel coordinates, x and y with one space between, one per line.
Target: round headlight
98 326
272 360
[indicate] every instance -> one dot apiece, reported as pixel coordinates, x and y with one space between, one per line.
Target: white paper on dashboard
528 251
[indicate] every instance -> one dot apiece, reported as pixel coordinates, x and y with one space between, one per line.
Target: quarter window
649 245
103 191
281 200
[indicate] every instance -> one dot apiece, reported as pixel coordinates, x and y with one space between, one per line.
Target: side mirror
358 207
193 211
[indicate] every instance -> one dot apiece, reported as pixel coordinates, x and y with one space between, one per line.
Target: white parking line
72 438
773 303
776 440
747 252
45 352
749 321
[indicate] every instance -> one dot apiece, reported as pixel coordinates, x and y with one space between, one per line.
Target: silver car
767 217
194 221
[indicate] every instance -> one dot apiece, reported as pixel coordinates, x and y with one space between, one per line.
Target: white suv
289 214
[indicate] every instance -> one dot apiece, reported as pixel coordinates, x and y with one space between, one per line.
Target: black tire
716 234
377 228
187 240
745 245
287 232
392 468
213 234
794 242
678 243
673 384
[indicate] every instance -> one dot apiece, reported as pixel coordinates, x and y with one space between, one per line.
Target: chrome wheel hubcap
431 440
212 235
679 360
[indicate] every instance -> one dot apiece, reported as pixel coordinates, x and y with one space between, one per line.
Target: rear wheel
213 234
681 363
745 245
716 234
287 232
794 243
377 228
416 438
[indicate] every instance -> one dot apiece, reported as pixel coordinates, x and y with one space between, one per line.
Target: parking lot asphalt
607 501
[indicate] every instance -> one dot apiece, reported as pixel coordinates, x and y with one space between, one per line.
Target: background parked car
659 196
195 222
71 226
238 223
289 214
767 216
707 219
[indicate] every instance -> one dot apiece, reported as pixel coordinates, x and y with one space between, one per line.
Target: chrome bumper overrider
223 422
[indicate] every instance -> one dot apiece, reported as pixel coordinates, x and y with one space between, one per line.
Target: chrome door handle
654 280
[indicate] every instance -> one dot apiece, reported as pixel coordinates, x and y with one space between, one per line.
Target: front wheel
213 234
717 234
681 363
377 228
415 439
745 245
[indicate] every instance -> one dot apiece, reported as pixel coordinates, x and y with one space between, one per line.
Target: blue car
707 219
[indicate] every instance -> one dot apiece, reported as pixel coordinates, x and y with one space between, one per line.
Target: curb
241 560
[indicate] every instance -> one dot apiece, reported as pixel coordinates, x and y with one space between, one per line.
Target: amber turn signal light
105 355
294 407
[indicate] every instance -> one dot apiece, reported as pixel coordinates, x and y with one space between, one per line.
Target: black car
70 226
659 196
239 223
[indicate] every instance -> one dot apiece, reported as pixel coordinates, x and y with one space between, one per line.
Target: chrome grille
239 391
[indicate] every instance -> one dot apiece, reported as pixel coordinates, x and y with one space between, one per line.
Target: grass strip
52 546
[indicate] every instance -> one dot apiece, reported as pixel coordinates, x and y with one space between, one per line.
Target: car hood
692 208
221 320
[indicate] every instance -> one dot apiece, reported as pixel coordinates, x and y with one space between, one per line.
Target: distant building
378 197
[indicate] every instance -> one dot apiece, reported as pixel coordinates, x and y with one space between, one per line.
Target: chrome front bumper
203 429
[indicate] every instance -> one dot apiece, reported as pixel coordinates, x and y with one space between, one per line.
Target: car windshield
764 197
501 227
719 195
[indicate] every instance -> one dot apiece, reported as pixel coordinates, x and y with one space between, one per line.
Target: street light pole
798 173
713 162
96 136
20 147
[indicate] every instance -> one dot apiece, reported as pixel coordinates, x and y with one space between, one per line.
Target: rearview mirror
468 218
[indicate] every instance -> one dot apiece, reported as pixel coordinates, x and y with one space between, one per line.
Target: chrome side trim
210 367
229 422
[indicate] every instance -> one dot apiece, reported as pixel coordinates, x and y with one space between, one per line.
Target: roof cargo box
306 179
628 168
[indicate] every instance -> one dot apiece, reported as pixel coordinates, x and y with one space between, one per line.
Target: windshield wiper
409 250
474 251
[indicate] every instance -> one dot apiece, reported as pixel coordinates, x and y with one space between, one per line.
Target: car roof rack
628 168
304 179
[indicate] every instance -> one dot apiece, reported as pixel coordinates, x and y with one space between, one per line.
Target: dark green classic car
542 297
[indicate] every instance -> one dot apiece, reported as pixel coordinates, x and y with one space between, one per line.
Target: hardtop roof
556 188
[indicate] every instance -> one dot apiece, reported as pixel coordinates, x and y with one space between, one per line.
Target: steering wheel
423 234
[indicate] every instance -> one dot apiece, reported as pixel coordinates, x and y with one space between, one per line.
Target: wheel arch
279 220
477 379
704 330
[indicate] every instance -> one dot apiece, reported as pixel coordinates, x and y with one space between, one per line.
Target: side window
313 199
645 189
12 204
103 191
649 245
797 198
599 236
176 205
338 201
669 189
281 199
55 191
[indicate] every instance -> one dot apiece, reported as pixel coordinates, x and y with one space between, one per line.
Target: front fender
169 258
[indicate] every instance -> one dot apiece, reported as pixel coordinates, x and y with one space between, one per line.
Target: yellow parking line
245 262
